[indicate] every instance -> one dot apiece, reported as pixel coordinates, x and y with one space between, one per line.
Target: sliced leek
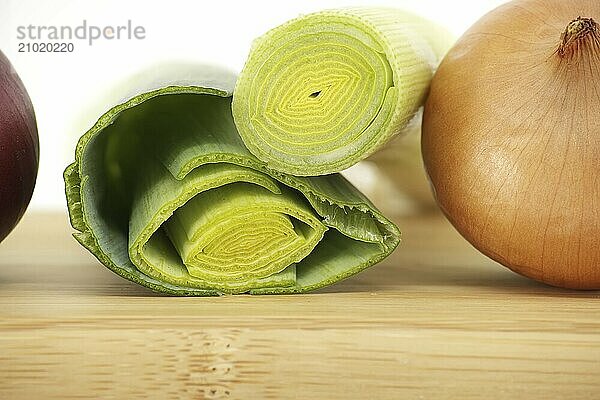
164 193
326 90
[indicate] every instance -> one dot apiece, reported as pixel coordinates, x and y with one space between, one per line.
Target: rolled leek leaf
326 90
164 193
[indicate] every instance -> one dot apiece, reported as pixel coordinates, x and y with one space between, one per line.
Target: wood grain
436 320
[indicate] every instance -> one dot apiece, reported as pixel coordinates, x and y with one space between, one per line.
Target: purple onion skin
19 148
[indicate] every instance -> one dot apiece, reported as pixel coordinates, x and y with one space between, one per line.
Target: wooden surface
436 320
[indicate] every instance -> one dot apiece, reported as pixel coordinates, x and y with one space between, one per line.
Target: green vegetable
164 193
326 90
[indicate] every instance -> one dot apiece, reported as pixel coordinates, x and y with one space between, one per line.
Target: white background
64 87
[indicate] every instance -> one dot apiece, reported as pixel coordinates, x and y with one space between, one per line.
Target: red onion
19 148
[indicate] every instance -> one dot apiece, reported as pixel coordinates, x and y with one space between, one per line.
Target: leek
326 90
165 194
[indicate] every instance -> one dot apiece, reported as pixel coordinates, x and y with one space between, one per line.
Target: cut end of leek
326 90
241 233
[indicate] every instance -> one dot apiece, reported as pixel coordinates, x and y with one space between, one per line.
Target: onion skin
19 148
511 139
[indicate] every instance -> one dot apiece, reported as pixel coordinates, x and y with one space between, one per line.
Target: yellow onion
511 139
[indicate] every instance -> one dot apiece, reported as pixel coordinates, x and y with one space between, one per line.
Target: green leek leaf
164 193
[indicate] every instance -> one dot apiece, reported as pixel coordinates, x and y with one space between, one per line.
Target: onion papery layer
324 91
165 194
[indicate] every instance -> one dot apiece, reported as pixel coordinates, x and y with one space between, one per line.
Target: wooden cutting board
436 320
